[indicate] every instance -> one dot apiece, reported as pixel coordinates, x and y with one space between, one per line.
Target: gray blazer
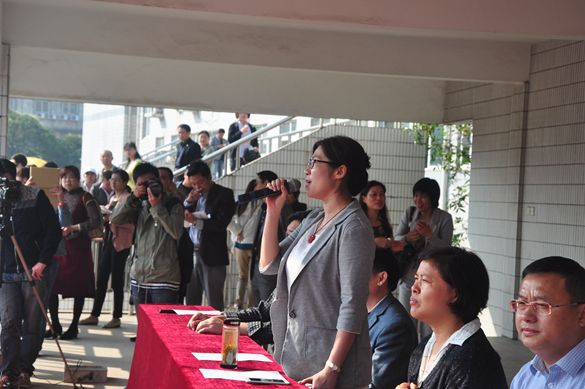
329 294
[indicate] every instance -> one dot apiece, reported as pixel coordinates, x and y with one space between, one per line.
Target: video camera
9 194
155 187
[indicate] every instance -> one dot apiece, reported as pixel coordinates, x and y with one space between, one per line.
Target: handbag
96 232
250 155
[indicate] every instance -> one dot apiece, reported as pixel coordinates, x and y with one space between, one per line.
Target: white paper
191 312
198 215
241 357
240 375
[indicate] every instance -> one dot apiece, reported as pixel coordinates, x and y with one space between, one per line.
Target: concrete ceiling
379 60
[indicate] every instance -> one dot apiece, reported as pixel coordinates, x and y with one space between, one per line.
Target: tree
27 135
450 147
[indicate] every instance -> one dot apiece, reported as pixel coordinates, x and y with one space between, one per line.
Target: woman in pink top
117 243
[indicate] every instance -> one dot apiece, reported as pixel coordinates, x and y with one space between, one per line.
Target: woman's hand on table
325 379
213 325
195 320
406 385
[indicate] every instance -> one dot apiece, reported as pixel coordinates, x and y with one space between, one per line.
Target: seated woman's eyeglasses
539 308
313 160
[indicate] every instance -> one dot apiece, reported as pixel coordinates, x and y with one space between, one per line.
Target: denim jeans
153 296
21 319
218 167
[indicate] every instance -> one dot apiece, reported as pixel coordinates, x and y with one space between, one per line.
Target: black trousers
111 262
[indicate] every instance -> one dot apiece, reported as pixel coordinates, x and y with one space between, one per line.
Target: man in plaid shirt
255 322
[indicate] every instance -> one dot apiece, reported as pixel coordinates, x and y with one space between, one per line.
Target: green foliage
27 135
450 149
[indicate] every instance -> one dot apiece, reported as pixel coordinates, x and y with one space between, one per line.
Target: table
163 359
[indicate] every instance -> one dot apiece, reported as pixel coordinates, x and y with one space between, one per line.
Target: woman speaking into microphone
319 317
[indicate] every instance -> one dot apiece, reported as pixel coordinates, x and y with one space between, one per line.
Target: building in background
63 117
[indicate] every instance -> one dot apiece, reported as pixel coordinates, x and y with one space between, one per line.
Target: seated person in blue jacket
392 333
451 287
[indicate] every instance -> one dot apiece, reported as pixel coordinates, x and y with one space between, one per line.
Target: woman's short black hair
204 132
464 272
429 187
123 175
342 150
72 169
384 260
569 270
144 168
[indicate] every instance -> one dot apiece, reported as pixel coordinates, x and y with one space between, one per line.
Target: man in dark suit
263 285
241 129
392 333
187 149
209 209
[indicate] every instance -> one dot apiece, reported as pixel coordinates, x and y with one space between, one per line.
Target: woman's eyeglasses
313 160
539 308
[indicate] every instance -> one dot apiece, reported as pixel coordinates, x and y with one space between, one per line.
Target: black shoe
133 339
71 333
58 331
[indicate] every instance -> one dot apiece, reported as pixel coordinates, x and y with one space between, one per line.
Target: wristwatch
333 367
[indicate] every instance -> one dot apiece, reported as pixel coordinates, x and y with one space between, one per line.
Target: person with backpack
209 208
155 273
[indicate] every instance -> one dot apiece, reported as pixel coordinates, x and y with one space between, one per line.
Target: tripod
6 230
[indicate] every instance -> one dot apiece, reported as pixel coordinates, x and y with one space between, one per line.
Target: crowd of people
315 287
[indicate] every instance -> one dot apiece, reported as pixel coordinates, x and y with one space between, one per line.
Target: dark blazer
473 365
213 243
187 152
393 338
234 134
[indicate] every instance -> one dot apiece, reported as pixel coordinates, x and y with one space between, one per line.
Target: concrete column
4 72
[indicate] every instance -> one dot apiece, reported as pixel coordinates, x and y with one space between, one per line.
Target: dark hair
20 159
384 260
242 112
144 168
166 169
383 214
132 145
569 270
240 208
464 272
429 187
296 194
198 167
123 174
342 150
7 166
107 175
221 130
267 175
300 216
23 172
204 132
72 169
184 127
51 164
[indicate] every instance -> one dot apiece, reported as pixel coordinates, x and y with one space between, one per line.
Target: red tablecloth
163 359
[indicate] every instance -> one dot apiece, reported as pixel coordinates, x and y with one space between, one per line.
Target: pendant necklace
319 227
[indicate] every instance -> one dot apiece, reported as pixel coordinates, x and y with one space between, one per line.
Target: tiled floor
112 348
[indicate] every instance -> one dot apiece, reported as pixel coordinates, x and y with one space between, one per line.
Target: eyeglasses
539 308
313 160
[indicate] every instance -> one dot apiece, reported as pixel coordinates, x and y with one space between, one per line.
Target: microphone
292 186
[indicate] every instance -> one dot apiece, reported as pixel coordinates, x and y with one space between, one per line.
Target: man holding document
208 210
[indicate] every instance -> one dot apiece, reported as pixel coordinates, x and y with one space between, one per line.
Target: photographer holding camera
155 274
37 232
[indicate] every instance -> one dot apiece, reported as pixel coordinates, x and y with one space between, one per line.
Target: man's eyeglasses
539 308
313 160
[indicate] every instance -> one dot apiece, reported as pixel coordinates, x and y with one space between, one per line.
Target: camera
155 187
9 190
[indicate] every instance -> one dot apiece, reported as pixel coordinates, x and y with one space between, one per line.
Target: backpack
184 252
